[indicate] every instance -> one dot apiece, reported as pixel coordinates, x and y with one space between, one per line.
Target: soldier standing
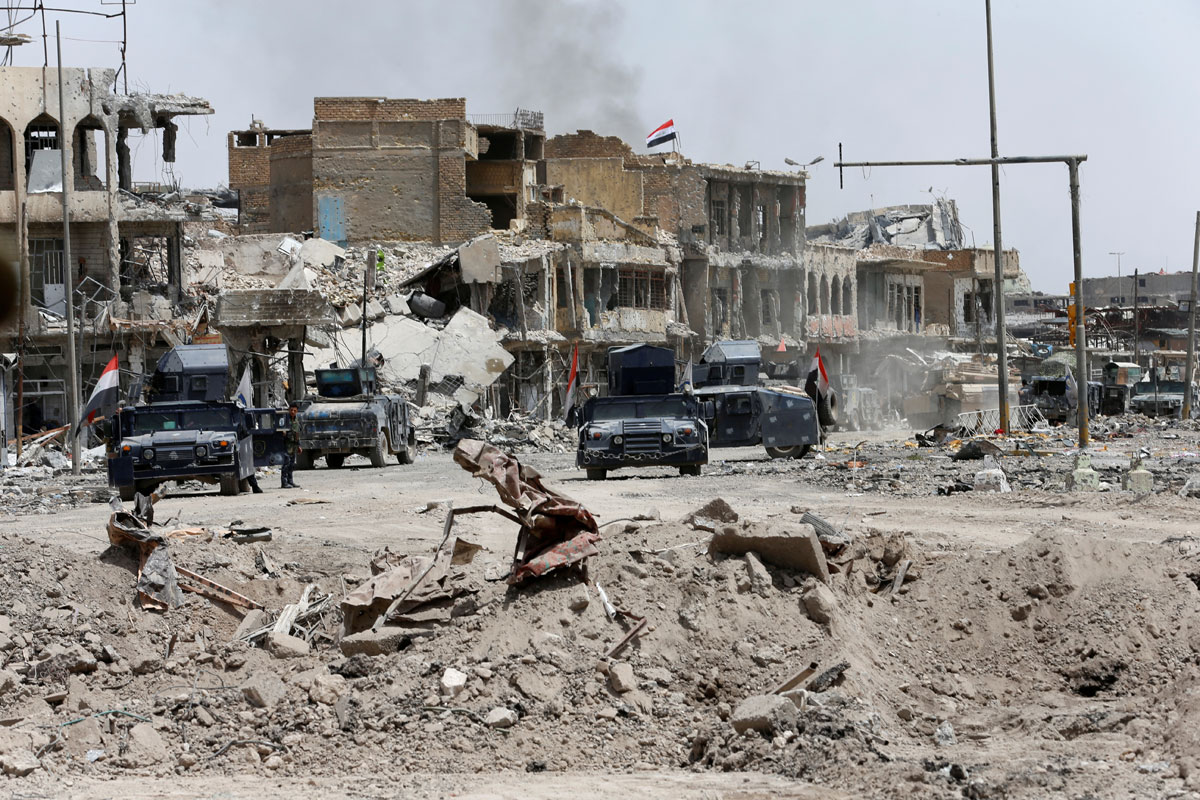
292 437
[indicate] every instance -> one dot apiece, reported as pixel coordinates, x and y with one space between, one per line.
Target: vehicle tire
127 493
378 454
827 410
230 485
796 451
690 469
597 474
408 452
335 460
304 459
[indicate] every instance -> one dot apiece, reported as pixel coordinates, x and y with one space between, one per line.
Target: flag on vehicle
685 382
104 397
572 383
662 134
244 389
818 375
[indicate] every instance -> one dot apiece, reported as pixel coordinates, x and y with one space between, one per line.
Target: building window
718 217
246 139
39 137
1141 283
767 305
719 308
639 288
47 284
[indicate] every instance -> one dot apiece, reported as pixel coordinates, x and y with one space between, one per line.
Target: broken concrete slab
819 602
760 579
479 260
283 645
793 545
319 253
349 316
397 305
263 689
764 713
375 310
255 619
388 639
300 277
328 689
713 513
145 746
453 682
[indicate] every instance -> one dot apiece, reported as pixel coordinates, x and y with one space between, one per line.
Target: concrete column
548 383
112 240
175 265
296 387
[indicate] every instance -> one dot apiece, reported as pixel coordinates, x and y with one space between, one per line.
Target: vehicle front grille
643 426
175 455
642 442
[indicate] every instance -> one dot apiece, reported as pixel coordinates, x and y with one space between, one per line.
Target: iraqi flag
818 376
662 134
572 384
104 397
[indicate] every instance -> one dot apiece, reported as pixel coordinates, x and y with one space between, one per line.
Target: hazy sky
750 80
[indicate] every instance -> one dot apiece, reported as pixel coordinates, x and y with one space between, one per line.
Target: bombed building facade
126 239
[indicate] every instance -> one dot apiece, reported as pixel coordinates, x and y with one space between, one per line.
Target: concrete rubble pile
786 643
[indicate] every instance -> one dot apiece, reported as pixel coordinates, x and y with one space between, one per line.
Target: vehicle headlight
618 439
667 438
148 454
201 451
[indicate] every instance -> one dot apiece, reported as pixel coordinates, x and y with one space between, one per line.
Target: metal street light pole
68 175
1188 399
1118 255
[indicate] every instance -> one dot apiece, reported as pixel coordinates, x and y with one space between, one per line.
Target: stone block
1138 481
283 645
328 689
375 310
991 480
350 315
500 717
760 579
145 746
388 639
764 713
453 682
255 619
819 602
263 689
621 677
791 546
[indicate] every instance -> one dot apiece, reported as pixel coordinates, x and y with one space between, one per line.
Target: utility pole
1137 351
998 245
1072 163
1188 372
68 273
1081 381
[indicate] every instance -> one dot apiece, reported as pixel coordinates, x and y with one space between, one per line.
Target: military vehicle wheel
378 454
827 410
597 474
405 456
796 451
127 493
304 460
335 460
230 485
244 485
690 469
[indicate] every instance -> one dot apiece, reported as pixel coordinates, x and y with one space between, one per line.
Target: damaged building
126 238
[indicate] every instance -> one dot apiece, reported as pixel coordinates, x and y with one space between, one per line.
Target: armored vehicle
1119 380
783 419
643 422
348 416
1160 398
860 407
186 432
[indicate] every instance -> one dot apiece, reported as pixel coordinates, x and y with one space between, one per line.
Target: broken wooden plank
193 582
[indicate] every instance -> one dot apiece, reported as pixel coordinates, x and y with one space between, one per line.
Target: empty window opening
47 284
535 147
42 134
91 156
767 306
502 206
246 139
916 308
847 297
502 146
639 288
745 207
719 309
824 294
8 177
718 216
835 297
591 294
813 308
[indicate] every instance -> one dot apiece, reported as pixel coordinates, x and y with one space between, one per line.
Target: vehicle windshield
635 409
1164 387
208 419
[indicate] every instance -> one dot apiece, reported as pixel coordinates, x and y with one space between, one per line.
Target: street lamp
1118 255
791 163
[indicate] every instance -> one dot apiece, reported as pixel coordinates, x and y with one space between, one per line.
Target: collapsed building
126 239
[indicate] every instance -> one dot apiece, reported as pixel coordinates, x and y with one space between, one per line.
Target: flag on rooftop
662 134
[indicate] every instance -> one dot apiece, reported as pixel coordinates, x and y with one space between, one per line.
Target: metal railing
986 421
522 119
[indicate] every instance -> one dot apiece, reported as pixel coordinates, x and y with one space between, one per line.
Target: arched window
42 134
91 155
835 296
824 294
8 163
848 297
812 294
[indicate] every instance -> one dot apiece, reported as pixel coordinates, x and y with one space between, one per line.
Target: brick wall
587 144
462 218
379 108
248 166
291 189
